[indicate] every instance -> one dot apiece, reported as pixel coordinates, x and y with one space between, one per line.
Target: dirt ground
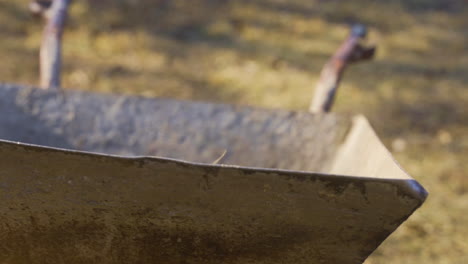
269 53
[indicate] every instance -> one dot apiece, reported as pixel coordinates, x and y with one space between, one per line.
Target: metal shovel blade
88 178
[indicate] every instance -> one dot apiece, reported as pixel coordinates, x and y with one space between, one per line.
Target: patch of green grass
269 53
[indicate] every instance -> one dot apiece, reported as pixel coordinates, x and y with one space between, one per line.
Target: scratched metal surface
197 132
64 206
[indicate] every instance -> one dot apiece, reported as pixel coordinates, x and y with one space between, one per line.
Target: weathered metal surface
61 205
197 132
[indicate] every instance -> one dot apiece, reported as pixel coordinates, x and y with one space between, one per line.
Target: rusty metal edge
409 187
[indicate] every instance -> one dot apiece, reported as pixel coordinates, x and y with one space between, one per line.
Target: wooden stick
51 47
349 52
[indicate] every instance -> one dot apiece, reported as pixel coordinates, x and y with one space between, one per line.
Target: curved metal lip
409 186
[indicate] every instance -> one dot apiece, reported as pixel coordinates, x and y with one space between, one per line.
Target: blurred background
269 53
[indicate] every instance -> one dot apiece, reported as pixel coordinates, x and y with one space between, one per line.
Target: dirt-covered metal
292 187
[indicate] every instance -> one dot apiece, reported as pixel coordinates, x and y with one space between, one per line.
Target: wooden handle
349 52
51 47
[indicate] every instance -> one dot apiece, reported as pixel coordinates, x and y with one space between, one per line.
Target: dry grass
269 53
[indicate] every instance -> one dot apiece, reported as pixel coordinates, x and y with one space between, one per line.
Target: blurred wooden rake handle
55 12
351 51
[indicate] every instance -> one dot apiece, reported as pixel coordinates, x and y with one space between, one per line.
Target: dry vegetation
269 53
